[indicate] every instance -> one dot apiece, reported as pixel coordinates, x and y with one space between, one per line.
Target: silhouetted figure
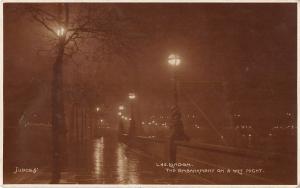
177 130
177 133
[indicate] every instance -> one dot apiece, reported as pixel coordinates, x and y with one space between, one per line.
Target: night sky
251 47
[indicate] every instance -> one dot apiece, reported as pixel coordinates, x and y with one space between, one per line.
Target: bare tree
69 25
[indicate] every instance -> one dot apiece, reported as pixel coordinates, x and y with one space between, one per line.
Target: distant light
121 107
101 120
174 60
131 96
98 109
119 113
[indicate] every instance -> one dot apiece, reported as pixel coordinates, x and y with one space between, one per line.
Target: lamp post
174 60
96 123
131 97
121 126
97 109
177 130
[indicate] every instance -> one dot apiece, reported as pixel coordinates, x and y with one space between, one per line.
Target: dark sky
252 47
242 42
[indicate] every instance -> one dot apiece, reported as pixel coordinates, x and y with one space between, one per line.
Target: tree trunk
76 123
82 124
72 124
58 119
85 125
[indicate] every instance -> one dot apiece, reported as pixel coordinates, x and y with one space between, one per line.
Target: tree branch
43 12
41 21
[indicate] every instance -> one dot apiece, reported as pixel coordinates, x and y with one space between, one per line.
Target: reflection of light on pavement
98 156
126 168
121 162
133 173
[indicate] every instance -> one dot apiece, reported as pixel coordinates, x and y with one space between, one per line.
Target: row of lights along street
177 126
164 121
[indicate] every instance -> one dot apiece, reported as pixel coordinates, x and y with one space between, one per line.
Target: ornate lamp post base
177 134
177 130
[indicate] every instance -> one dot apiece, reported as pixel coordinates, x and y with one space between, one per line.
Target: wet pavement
104 160
108 161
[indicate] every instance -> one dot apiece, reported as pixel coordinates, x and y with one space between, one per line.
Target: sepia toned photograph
159 93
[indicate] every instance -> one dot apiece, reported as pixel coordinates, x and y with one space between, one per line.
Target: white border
154 1
142 1
1 93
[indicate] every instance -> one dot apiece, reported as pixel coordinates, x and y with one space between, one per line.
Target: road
104 160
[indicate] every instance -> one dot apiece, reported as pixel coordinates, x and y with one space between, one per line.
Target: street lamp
60 31
121 107
177 130
121 126
174 60
131 97
97 108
